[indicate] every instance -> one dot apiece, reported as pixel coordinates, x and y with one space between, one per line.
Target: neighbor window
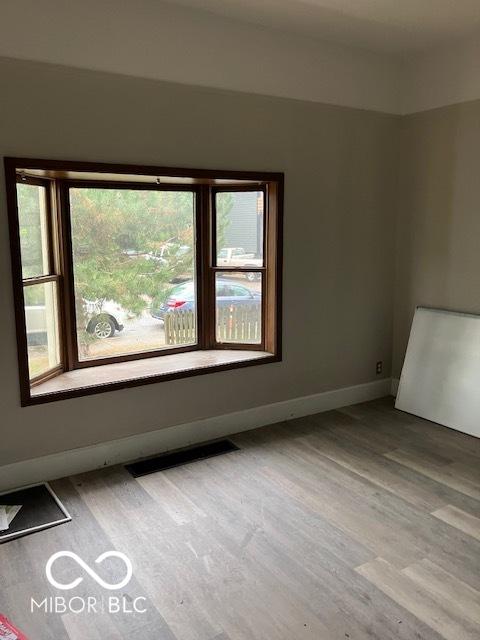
117 264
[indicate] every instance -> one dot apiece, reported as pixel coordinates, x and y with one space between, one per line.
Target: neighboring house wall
245 225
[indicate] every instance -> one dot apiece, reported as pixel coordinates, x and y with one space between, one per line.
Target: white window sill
148 370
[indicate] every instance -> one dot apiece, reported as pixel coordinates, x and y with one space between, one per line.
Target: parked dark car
183 297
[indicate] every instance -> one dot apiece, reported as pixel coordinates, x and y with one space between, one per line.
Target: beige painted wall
340 168
438 227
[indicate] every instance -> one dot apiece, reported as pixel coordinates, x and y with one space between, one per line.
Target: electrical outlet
379 367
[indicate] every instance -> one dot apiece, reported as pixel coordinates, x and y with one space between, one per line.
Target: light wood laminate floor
361 523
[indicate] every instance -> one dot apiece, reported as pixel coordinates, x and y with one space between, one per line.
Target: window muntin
128 248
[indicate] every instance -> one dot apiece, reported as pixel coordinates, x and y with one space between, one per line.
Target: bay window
127 275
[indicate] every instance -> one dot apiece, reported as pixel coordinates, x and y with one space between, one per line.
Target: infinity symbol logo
89 570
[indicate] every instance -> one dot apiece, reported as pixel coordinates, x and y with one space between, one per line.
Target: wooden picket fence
180 327
239 324
234 324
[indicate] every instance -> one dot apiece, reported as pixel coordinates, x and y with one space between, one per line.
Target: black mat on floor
40 509
182 456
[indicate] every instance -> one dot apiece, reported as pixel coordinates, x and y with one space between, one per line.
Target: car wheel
251 276
103 328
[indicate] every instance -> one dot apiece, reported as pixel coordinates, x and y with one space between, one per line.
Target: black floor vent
182 456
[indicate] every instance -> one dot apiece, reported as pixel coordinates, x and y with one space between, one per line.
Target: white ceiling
395 26
180 41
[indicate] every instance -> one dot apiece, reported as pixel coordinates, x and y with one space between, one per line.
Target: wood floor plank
402 480
367 464
444 474
79 627
422 604
383 436
176 503
468 470
460 519
464 600
438 440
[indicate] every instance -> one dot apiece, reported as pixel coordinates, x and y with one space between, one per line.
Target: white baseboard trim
394 389
84 459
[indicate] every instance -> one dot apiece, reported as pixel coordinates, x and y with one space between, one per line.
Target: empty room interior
240 328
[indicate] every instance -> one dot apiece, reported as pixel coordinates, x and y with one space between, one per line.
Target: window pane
240 216
32 217
41 314
238 307
134 265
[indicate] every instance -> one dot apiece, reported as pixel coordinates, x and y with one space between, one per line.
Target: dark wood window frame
58 176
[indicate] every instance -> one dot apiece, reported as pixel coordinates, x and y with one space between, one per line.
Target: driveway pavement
139 334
